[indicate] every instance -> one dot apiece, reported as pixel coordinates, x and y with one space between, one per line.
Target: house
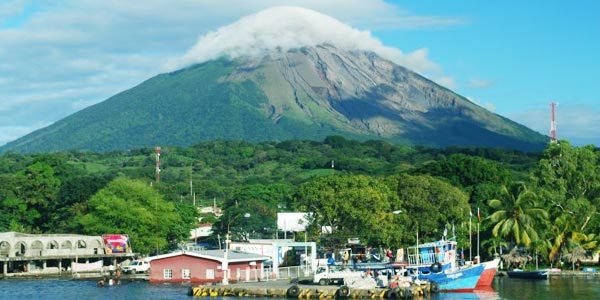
201 231
208 266
281 252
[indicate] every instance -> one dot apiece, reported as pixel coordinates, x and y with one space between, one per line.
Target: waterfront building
208 266
31 254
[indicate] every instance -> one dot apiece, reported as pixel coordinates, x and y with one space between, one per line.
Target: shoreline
75 276
502 273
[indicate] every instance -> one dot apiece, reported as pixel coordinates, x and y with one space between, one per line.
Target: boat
437 262
535 274
489 272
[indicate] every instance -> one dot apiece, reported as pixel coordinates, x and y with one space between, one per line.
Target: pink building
210 266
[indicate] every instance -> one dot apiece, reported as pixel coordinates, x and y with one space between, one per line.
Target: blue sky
511 57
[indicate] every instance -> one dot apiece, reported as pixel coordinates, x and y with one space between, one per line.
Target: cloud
487 105
574 122
478 83
57 57
445 81
285 27
10 9
11 133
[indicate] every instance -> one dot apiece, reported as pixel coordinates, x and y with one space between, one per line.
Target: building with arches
35 253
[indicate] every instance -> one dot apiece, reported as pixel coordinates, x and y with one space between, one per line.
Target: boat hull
457 280
489 272
542 274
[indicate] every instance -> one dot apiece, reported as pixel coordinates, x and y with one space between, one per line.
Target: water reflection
488 293
482 294
503 288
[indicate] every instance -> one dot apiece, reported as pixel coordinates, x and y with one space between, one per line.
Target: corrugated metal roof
218 255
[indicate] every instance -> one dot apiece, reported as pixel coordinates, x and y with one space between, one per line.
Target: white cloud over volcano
286 27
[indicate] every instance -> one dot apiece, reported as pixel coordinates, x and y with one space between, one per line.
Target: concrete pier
279 289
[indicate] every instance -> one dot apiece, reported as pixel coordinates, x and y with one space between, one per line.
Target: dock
283 289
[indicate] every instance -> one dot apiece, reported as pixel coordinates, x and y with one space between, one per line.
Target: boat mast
478 221
470 236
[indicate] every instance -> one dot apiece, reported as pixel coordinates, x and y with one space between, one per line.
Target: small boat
489 272
536 274
437 262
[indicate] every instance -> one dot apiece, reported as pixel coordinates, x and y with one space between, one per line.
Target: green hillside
269 100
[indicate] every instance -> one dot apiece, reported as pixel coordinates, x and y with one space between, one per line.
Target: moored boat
436 262
489 272
536 274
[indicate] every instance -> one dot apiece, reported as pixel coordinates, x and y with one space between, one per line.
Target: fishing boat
489 272
436 262
535 274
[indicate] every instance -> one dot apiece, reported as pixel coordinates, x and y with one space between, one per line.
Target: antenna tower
157 151
553 122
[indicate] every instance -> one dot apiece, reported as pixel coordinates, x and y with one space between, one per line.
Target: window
210 274
186 274
168 273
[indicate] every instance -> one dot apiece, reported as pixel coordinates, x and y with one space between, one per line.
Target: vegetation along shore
544 204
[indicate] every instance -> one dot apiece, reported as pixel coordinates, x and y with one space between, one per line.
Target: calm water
572 288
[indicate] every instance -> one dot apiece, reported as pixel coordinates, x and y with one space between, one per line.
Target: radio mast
553 122
157 151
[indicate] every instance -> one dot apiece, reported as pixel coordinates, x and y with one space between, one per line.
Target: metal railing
286 273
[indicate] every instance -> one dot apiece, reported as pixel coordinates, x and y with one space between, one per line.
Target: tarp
88 267
292 221
116 243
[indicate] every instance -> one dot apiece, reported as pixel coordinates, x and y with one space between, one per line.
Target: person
331 261
102 282
389 254
345 258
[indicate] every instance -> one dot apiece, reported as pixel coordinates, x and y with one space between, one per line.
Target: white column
225 264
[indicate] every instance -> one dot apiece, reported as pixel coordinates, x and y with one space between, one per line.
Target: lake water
504 288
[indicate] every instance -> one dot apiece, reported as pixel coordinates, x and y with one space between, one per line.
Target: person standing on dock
345 258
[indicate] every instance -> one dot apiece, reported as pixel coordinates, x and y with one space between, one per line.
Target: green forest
544 203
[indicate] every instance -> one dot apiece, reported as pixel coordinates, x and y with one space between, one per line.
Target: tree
349 206
467 171
38 188
430 205
569 179
517 215
133 207
251 210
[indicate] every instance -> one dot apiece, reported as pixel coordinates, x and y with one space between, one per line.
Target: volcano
282 93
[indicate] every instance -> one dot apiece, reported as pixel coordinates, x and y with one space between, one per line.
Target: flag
478 216
445 231
453 232
470 215
332 165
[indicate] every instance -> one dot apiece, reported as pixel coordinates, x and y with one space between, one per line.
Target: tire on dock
392 294
293 292
343 292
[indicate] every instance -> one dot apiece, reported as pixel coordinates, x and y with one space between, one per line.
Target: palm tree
517 214
562 233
